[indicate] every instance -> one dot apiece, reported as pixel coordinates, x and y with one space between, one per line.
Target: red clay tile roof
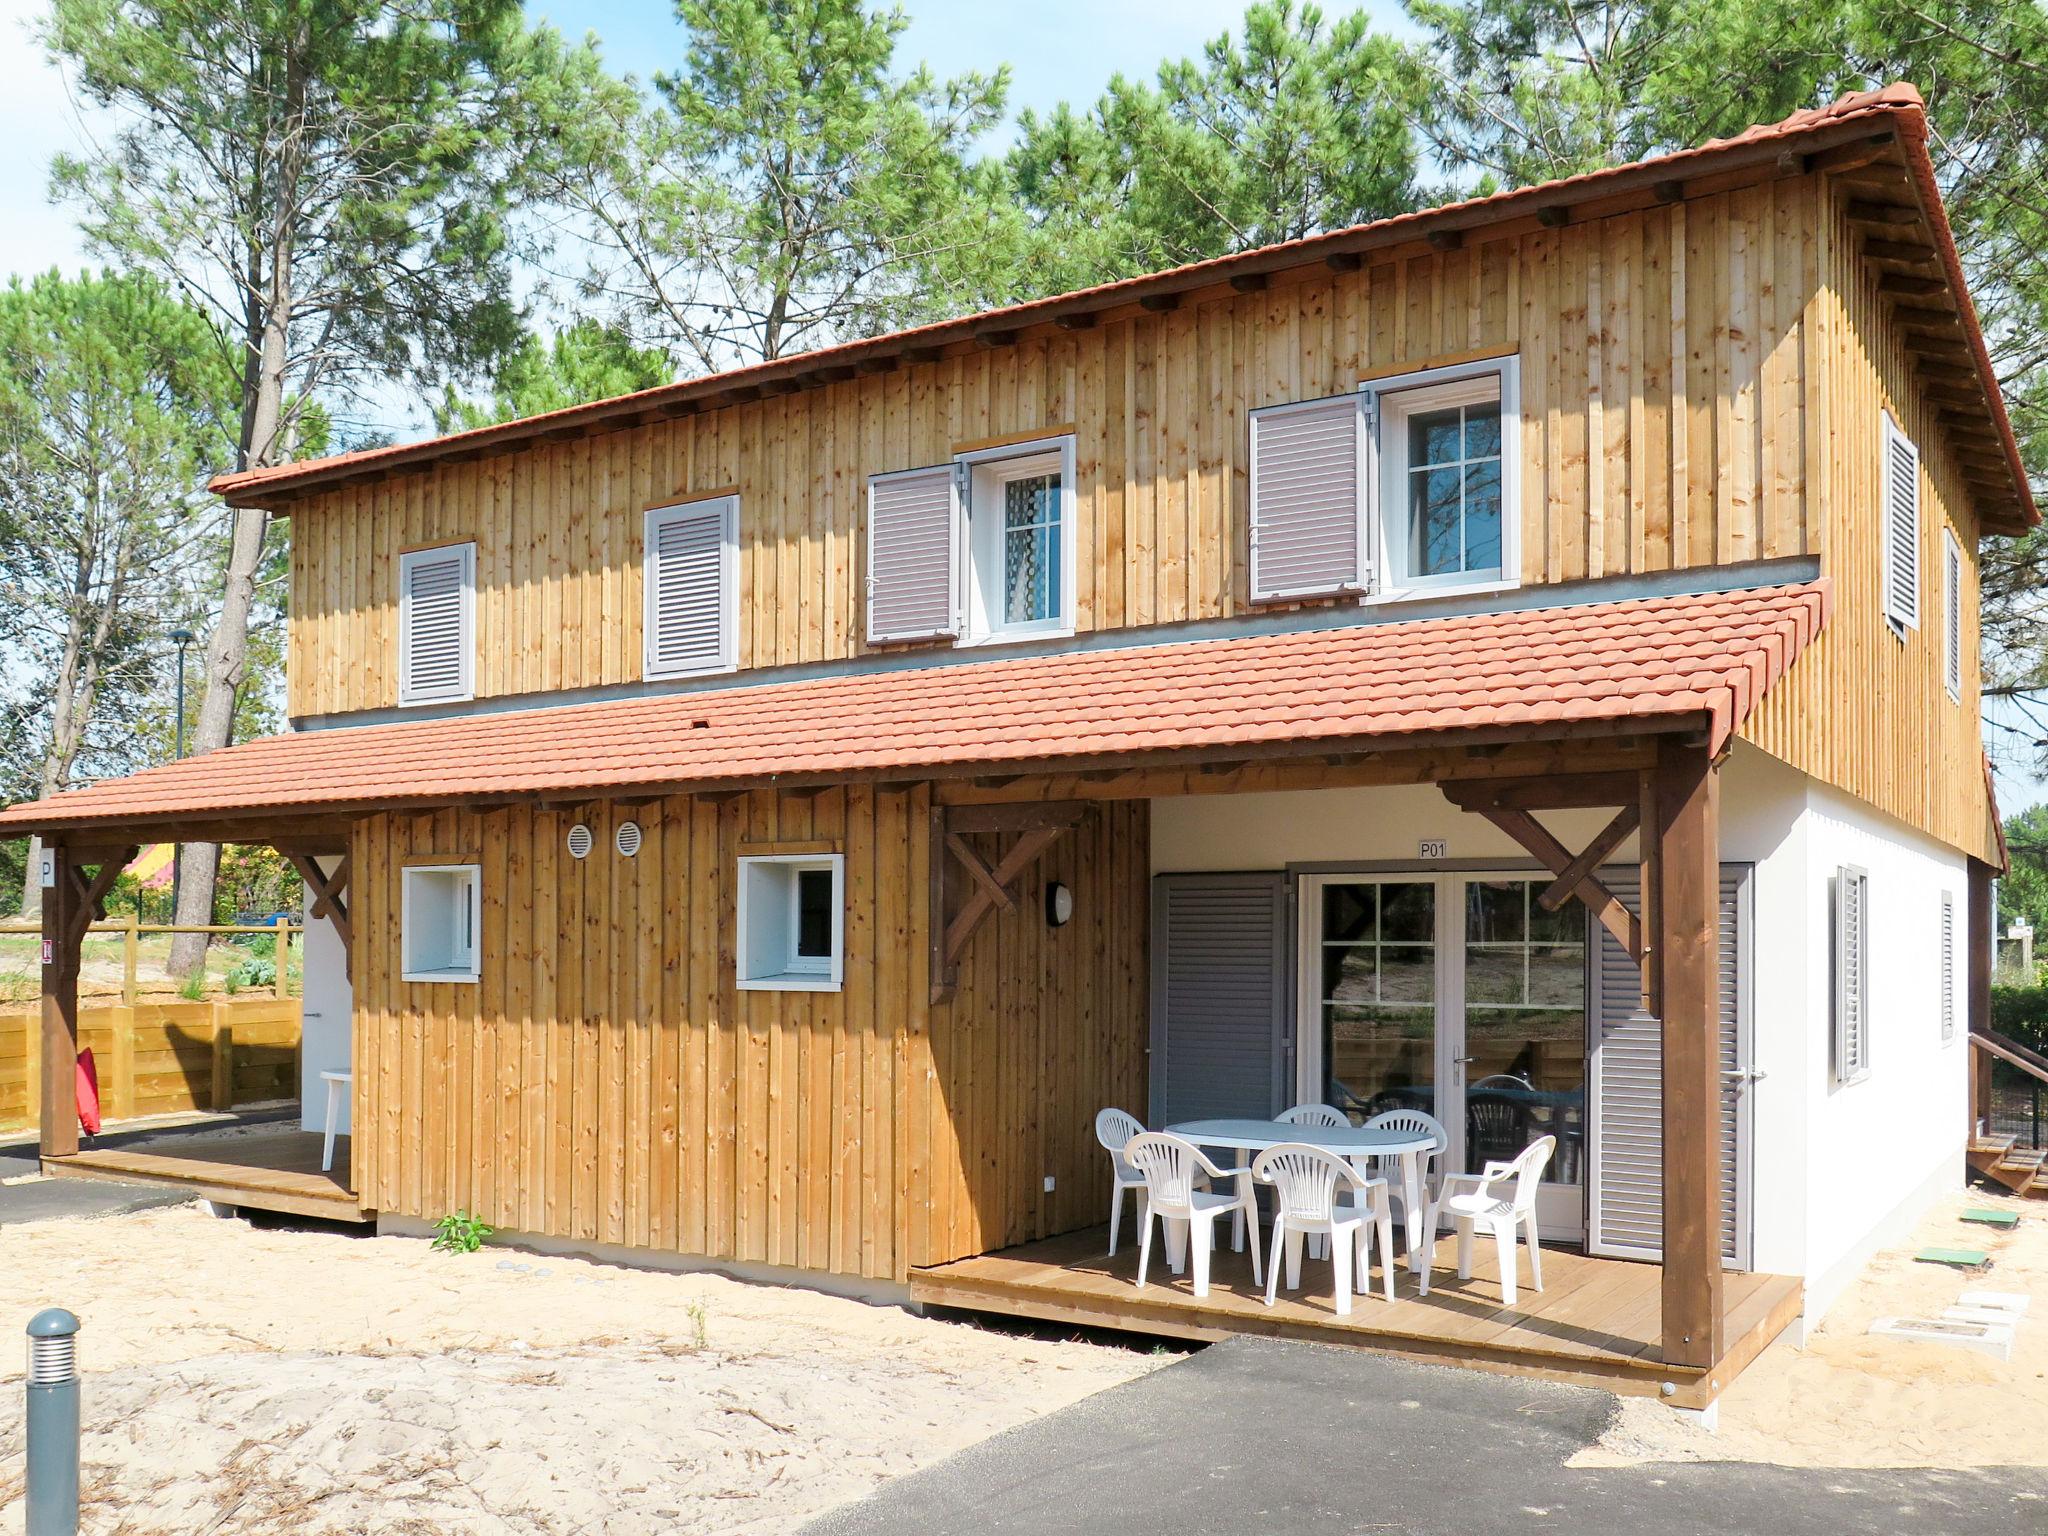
1660 662
1899 105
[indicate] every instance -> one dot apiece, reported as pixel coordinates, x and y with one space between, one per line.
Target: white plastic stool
337 1083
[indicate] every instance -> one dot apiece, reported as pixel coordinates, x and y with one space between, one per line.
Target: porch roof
1693 661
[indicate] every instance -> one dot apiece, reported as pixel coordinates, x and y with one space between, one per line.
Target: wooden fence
162 1058
130 932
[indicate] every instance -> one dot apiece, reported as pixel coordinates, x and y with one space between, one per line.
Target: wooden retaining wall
162 1058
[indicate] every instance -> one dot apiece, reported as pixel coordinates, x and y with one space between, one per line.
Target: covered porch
1597 1322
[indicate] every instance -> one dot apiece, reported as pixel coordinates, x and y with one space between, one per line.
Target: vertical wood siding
606 1081
1865 710
1665 380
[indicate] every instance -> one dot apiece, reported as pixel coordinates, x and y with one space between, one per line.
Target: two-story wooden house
1517 660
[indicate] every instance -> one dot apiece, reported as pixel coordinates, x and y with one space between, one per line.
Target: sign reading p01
1433 848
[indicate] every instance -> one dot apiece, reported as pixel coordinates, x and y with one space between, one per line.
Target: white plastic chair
1313 1114
1173 1171
1473 1200
1114 1129
1415 1122
1306 1183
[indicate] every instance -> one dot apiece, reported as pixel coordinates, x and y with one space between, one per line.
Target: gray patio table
1354 1142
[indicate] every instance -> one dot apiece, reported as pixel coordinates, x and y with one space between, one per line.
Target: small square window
440 916
791 922
1446 446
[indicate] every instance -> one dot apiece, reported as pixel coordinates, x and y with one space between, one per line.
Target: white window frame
1901 609
979 477
728 586
1389 401
1952 614
789 972
467 966
407 559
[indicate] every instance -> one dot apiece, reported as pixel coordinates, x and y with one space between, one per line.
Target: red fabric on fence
88 1093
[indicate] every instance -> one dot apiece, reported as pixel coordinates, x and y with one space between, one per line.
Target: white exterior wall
1836 1173
327 1025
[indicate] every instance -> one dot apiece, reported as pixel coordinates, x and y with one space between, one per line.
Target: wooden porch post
63 936
1686 961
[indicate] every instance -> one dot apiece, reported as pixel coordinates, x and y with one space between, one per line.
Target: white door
1456 994
327 1023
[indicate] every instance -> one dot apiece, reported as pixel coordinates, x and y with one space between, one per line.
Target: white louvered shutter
1625 1080
1948 966
1308 503
1901 528
691 601
914 554
1851 979
436 642
1952 613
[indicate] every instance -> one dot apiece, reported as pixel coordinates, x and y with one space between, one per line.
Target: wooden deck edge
1173 1318
208 1181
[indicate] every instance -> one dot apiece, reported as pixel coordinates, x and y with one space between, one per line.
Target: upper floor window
437 624
1446 450
1952 613
1901 529
690 604
978 549
1019 546
1405 488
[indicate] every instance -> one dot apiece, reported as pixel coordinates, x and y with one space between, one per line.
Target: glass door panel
1377 957
1524 1046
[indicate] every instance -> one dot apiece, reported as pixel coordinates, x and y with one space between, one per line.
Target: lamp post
182 638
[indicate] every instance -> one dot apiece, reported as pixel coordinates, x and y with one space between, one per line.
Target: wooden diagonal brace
1590 858
983 876
91 906
1555 857
1037 827
329 901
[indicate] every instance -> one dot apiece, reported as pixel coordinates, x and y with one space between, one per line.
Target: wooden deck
265 1171
1596 1323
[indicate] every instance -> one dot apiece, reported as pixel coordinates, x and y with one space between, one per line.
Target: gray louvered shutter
1625 1080
435 643
1901 528
1219 996
691 605
1850 976
1308 506
1952 614
913 554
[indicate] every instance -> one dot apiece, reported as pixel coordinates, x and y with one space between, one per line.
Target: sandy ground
249 1380
1850 1399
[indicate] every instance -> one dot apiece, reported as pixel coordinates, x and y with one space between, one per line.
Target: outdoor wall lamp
1059 904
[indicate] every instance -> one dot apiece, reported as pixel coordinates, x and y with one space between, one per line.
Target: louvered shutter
690 608
1948 966
1308 504
1851 974
913 554
436 645
1952 613
1625 1079
1219 995
1901 528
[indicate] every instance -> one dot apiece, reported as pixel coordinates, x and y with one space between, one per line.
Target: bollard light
52 1491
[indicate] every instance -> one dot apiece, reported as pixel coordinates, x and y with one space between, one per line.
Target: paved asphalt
1266 1438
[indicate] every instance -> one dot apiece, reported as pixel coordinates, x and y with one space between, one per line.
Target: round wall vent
627 838
579 841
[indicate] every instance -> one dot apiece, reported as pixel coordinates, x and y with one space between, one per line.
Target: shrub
2021 1013
460 1232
